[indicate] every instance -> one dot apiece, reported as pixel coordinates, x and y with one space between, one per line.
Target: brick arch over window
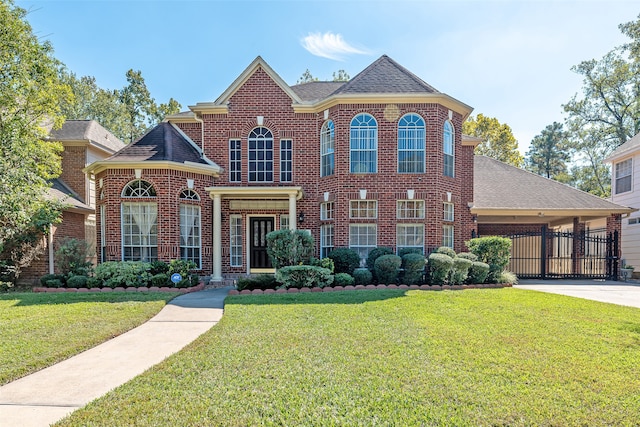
248 126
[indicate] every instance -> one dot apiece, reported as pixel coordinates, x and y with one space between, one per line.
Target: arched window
260 143
139 188
139 223
411 144
447 149
327 146
189 195
363 143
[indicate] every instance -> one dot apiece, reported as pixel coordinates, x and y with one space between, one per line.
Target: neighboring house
84 142
376 161
625 190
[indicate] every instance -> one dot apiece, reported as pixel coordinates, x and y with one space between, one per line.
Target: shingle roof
314 91
60 191
498 185
162 143
385 76
627 148
89 130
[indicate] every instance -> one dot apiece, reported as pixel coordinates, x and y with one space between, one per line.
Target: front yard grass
40 329
394 358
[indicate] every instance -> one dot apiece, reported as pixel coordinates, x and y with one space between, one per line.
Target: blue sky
507 59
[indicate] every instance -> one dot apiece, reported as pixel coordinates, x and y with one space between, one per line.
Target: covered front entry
549 254
246 200
259 227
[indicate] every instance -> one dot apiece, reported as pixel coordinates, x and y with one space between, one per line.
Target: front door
258 257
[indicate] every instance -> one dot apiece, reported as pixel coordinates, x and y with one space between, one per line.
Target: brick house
84 142
376 161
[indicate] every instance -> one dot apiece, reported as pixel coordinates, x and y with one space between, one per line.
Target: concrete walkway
621 293
46 396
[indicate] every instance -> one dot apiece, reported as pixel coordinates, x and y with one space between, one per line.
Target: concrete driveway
621 293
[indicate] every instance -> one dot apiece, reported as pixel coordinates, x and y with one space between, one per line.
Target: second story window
623 176
447 149
411 144
327 145
363 143
363 209
286 160
235 160
260 152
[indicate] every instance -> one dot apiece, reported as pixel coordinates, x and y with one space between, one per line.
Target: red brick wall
73 161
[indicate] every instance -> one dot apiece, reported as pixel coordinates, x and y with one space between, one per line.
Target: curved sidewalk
46 396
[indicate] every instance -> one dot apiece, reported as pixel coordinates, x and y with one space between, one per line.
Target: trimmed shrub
304 276
404 251
460 270
160 280
54 283
324 263
124 273
77 282
492 250
438 266
93 282
343 279
289 247
374 254
413 264
362 276
446 251
261 281
468 255
478 272
509 278
44 279
386 268
345 260
159 267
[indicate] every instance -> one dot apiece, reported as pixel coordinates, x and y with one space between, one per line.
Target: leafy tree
30 98
498 140
306 77
341 76
128 113
549 152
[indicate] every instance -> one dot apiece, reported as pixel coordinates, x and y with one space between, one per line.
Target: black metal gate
548 254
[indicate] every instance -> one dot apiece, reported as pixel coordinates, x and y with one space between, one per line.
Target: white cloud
329 45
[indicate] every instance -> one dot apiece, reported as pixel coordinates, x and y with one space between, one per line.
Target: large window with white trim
362 239
190 228
327 147
363 209
139 232
447 149
139 222
286 160
410 236
326 239
260 152
410 209
235 240
363 143
411 144
326 211
235 160
623 176
448 212
447 236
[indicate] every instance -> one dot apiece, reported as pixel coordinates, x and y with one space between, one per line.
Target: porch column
293 216
217 239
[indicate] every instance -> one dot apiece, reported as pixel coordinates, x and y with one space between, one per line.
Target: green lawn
40 329
394 358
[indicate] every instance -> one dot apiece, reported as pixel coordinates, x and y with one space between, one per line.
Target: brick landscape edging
368 287
198 287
